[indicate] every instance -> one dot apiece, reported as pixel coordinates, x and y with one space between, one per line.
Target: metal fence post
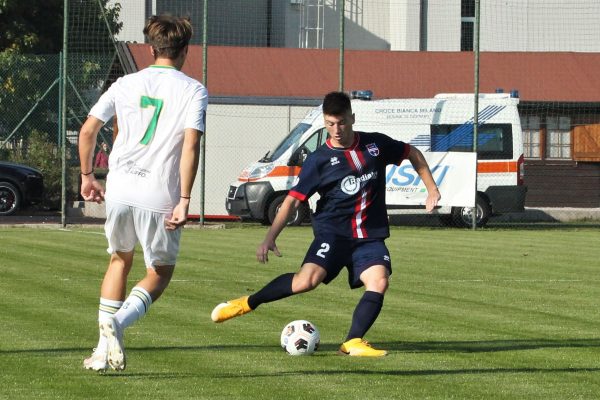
203 138
63 115
476 103
342 29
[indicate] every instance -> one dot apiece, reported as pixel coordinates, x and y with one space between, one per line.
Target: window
547 137
494 141
467 24
558 137
316 140
531 137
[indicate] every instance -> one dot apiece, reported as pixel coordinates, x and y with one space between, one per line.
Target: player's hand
178 218
262 252
91 189
433 197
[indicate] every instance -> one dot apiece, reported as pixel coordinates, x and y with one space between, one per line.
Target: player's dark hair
336 103
168 35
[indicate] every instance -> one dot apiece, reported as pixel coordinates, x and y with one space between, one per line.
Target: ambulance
441 127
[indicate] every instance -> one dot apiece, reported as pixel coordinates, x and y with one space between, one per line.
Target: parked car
20 186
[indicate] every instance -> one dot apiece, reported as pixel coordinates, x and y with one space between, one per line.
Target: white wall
404 33
443 25
541 25
133 16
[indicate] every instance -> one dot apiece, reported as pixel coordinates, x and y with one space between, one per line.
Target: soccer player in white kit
161 117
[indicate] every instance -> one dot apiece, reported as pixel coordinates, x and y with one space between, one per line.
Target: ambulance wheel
300 216
463 216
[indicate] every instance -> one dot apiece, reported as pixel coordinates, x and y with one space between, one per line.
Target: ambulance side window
316 140
310 145
494 141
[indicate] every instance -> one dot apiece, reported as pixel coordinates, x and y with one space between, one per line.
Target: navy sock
278 288
366 312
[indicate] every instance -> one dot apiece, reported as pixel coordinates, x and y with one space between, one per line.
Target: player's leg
367 310
373 269
121 239
112 293
144 294
322 263
160 248
115 284
285 285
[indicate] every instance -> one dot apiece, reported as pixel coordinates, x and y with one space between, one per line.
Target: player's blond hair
168 35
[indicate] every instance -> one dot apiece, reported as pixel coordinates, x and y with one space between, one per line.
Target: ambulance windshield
291 140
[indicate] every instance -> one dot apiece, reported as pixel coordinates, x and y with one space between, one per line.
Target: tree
31 39
33 26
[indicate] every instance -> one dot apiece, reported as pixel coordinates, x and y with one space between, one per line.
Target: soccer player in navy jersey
350 223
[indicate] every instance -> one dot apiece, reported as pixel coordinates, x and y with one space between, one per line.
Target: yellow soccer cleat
233 308
360 348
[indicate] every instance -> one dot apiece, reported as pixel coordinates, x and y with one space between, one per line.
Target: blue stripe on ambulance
462 136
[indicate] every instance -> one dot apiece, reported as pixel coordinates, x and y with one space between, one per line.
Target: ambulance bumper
504 199
248 200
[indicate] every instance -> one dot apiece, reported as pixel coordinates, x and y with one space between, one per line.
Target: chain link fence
269 63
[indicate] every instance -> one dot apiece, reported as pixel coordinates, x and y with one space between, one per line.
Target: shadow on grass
330 350
484 346
420 372
487 346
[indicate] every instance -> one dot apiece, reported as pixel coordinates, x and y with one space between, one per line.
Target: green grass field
488 314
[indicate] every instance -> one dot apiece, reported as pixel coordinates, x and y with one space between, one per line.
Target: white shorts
126 225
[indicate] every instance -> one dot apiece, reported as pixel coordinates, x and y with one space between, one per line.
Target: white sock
134 307
106 309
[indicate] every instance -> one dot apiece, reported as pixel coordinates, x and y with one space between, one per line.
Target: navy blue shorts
333 254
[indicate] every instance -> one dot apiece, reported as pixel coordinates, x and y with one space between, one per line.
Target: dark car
20 186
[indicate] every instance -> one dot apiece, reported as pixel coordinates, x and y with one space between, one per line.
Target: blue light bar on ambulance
362 94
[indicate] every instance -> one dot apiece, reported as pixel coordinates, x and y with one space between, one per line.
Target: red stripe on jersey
359 217
350 160
297 195
361 158
357 162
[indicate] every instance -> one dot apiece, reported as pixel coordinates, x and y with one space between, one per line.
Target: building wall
443 26
529 25
509 25
552 183
133 16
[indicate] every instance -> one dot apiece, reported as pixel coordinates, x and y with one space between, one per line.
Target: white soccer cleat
98 361
113 333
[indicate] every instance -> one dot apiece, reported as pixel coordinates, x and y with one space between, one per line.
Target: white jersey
153 107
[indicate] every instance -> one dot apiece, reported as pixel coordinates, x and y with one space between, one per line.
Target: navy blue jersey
351 183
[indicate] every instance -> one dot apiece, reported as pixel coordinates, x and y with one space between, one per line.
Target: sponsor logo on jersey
132 168
373 149
334 160
351 184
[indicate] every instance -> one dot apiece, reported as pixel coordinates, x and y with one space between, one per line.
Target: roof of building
310 73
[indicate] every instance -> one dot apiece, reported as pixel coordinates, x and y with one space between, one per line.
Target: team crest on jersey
334 160
373 149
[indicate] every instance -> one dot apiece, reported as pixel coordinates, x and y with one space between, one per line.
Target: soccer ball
300 338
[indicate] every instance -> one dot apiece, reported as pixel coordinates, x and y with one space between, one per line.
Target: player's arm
420 165
288 207
91 189
188 166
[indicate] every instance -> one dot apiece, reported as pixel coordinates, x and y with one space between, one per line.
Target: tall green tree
31 38
33 26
